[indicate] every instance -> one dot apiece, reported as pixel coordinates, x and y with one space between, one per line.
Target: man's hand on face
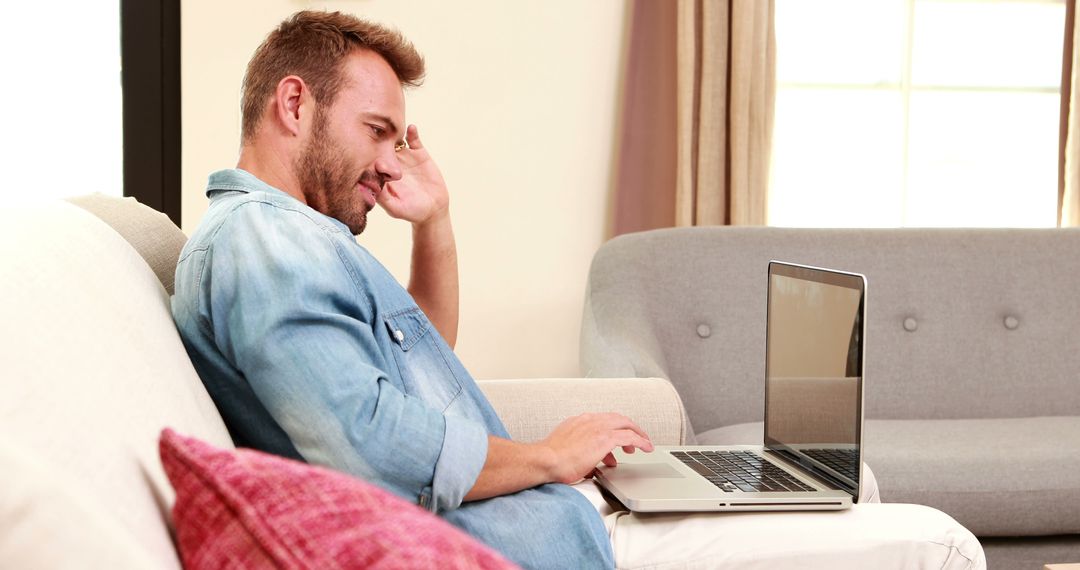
579 443
420 195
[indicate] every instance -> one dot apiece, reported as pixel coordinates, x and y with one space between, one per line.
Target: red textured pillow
247 509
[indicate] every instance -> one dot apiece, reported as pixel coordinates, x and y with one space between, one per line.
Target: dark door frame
150 77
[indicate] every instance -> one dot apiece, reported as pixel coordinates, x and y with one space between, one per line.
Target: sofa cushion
41 508
752 433
251 509
997 477
150 232
93 367
531 408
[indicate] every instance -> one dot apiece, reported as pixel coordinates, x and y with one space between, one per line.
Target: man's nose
388 167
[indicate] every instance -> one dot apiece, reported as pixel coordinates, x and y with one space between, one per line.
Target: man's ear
290 97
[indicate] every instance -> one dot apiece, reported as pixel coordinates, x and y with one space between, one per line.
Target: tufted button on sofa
972 358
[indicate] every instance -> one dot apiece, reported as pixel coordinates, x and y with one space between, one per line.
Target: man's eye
378 131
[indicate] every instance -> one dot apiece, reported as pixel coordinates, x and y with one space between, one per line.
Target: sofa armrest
531 408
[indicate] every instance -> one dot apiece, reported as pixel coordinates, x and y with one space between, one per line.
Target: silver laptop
811 458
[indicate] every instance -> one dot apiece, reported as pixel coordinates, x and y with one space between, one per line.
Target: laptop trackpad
646 471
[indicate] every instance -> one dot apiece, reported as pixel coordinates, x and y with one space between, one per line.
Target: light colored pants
869 535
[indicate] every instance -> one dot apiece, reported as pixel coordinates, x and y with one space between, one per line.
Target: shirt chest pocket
418 352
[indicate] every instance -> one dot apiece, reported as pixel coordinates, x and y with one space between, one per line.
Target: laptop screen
813 370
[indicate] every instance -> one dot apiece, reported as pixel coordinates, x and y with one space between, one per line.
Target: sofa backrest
93 368
961 323
150 232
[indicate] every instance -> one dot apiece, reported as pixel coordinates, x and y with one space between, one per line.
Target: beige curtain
693 145
644 183
1069 157
726 82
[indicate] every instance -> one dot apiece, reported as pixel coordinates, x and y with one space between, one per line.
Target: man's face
349 154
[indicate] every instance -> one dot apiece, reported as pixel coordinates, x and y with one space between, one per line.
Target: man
312 350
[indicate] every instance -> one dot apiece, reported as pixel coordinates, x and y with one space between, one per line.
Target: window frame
150 80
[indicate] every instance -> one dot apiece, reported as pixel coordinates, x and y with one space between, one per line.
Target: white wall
519 110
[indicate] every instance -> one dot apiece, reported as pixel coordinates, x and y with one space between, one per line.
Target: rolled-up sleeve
464 452
291 315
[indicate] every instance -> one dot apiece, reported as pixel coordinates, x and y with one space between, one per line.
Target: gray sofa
972 359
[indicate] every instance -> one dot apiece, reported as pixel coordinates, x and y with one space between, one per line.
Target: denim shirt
312 350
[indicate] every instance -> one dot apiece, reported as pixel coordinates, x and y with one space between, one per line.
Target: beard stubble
328 181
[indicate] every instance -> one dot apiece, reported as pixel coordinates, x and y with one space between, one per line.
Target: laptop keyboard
843 461
740 471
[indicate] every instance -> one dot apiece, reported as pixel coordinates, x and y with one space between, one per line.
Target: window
80 122
62 99
917 113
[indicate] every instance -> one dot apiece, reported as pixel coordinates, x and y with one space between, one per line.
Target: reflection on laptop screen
813 370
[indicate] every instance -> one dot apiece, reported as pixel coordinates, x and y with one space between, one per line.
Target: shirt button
400 336
910 324
704 331
1011 323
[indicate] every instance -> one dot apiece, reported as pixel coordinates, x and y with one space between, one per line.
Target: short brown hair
312 45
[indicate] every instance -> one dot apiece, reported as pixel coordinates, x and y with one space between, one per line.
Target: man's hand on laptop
569 454
579 443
